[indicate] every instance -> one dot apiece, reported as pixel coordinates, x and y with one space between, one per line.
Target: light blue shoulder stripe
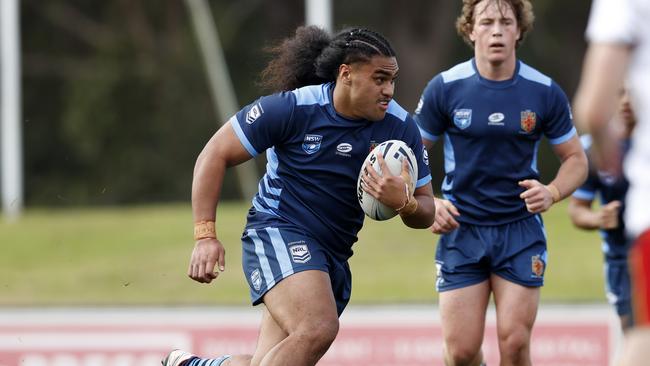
397 110
584 194
585 140
242 137
531 74
458 72
427 135
312 94
563 138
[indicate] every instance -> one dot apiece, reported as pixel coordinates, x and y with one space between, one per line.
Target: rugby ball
394 152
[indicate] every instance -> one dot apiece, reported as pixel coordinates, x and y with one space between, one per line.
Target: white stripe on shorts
280 251
261 256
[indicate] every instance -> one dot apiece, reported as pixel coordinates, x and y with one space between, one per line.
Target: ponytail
312 57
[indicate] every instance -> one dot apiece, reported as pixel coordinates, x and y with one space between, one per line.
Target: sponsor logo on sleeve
425 155
254 113
418 109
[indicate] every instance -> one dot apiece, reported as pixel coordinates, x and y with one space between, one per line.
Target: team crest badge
528 121
300 253
537 266
256 279
311 143
462 118
373 145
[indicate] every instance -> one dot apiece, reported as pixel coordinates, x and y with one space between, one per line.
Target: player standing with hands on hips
333 103
491 113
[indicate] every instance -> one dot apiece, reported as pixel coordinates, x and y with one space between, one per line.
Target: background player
608 218
619 45
491 113
305 217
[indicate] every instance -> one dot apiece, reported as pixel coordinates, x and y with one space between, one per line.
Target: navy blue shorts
470 254
274 250
617 285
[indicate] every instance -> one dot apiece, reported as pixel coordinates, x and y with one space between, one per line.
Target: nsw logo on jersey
528 121
462 118
254 113
311 143
299 252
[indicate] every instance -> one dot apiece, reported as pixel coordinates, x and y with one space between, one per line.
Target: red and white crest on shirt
528 121
373 145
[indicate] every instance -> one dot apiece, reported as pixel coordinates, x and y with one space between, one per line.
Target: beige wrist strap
555 193
410 207
204 230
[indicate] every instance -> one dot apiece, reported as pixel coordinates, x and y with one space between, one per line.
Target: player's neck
496 71
341 102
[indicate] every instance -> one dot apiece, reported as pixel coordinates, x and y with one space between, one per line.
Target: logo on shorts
311 143
537 266
254 113
299 252
439 280
463 118
256 279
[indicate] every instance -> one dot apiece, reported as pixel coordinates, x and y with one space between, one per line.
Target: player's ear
344 74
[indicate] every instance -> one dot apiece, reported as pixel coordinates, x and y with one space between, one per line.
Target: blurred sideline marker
11 136
223 94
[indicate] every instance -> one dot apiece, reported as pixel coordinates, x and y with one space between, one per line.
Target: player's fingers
385 172
210 270
527 183
451 208
406 175
435 228
371 172
221 260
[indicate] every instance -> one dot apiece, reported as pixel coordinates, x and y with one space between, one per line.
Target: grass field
138 256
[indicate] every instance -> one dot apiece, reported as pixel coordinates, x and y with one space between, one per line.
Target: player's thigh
303 301
462 313
516 307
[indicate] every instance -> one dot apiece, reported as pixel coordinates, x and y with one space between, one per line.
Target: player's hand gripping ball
394 152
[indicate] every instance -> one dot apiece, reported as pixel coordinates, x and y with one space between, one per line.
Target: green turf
138 256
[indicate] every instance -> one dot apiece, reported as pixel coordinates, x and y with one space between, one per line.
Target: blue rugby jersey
314 157
609 188
491 132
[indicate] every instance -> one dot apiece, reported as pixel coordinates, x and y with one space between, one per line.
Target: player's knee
318 335
461 354
514 344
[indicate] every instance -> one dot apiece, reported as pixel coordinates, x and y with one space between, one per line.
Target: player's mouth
497 46
383 104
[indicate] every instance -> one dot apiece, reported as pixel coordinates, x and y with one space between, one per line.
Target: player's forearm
206 186
584 218
572 174
423 217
